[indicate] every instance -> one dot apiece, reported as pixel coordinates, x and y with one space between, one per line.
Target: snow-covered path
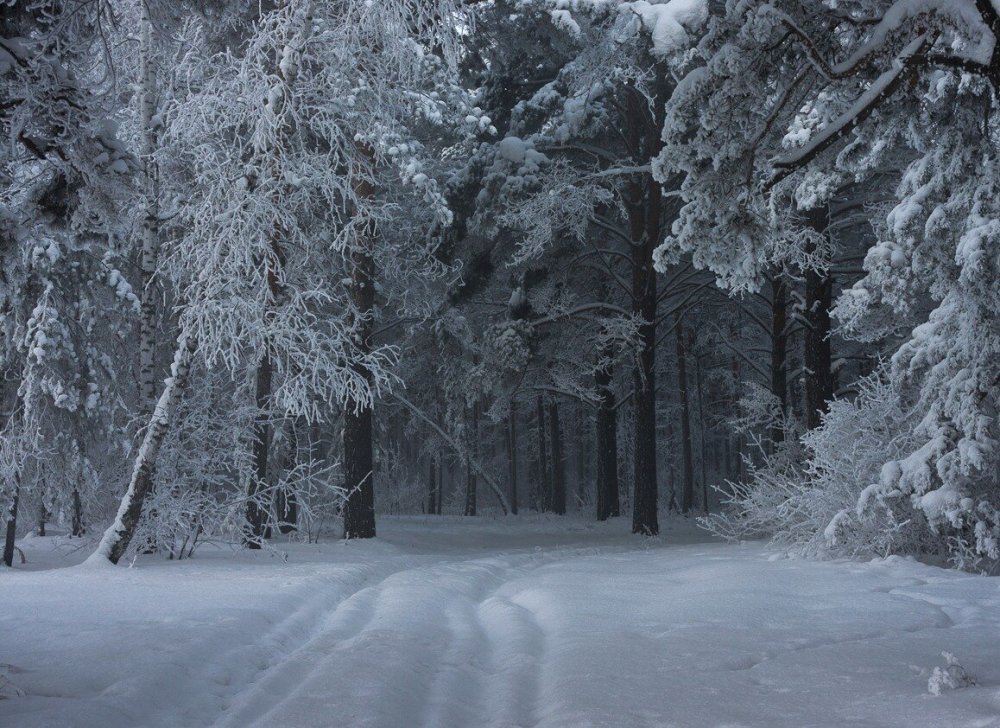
445 622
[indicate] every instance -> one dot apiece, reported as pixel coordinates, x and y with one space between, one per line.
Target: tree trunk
580 444
359 510
148 374
77 522
645 519
701 433
544 484
687 490
608 504
558 504
11 533
470 474
286 504
43 517
116 539
779 349
439 493
257 484
818 355
512 450
643 123
431 487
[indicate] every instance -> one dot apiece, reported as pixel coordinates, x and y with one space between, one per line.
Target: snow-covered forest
499 362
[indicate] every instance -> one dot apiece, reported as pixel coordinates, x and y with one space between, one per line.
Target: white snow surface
494 622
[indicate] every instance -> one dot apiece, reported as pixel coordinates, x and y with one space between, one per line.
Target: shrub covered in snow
828 494
950 677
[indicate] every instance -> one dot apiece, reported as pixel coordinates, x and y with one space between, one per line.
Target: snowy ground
474 622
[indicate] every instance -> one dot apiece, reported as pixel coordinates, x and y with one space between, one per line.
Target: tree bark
580 445
439 493
558 503
779 349
77 527
687 489
431 487
151 214
645 210
703 450
286 504
118 536
11 532
645 519
645 220
43 517
608 503
512 450
544 484
470 474
818 355
359 510
257 484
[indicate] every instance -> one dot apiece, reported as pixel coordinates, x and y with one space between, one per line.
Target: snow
479 622
669 22
513 149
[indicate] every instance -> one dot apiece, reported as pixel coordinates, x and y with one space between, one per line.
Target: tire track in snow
492 663
425 644
518 647
320 615
282 637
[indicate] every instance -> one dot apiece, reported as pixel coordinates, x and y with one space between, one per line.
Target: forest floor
493 622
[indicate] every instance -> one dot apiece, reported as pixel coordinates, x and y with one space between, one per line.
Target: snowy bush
950 677
825 496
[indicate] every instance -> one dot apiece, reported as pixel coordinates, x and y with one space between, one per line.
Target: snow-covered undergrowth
478 622
831 491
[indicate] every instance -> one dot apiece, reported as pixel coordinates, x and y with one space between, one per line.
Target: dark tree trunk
818 354
359 459
78 528
642 124
644 223
645 519
11 534
558 503
512 450
431 487
545 484
256 513
286 505
687 490
608 504
580 443
701 433
470 490
43 518
672 506
439 493
359 509
470 474
779 349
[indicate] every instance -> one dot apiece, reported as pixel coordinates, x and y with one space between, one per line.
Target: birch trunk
151 214
116 539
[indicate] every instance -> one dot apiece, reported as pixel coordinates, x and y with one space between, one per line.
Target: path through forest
450 622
